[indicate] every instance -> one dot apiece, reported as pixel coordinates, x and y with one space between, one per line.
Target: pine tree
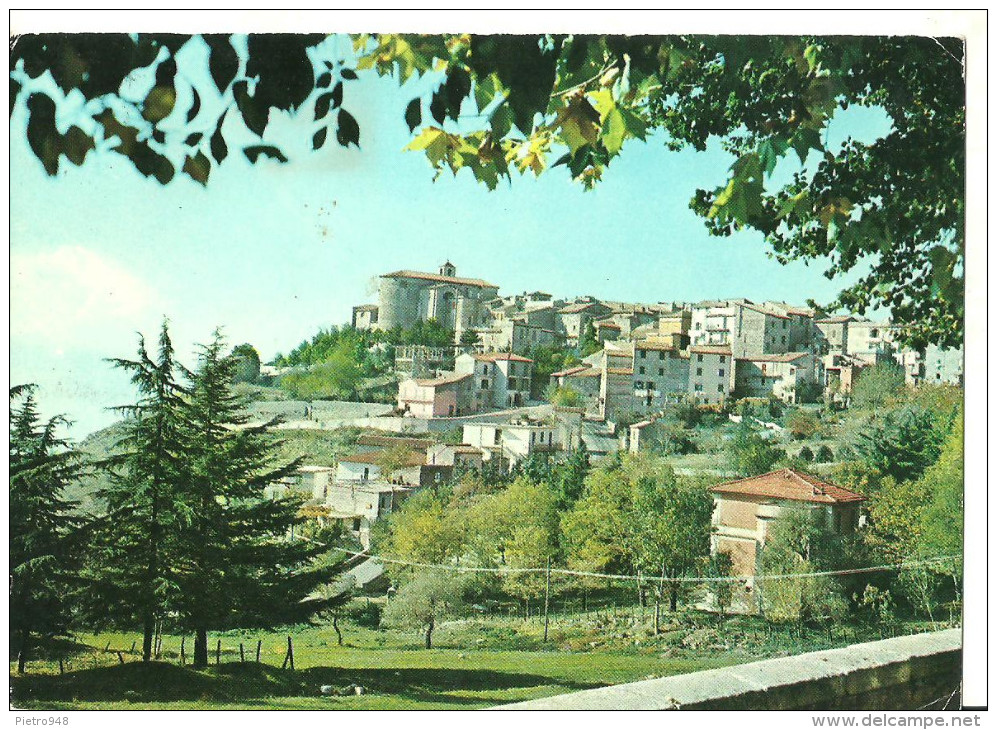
238 566
134 557
42 528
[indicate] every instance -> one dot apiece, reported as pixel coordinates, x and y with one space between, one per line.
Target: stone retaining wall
904 673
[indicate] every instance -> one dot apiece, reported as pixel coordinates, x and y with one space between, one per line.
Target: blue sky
272 252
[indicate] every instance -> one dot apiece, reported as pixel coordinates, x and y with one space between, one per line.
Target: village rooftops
655 344
711 349
790 485
620 371
569 371
378 440
840 319
609 325
781 357
373 457
407 274
579 307
446 379
494 356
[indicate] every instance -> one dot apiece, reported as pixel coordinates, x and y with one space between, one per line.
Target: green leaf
413 114
76 145
218 148
348 74
578 123
159 103
319 139
348 131
253 153
198 168
614 131
804 140
770 151
322 105
324 80
501 121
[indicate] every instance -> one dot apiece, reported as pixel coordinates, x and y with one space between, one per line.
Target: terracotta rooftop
711 349
579 307
620 371
764 311
377 440
372 457
493 356
569 371
443 379
835 320
407 274
782 357
791 485
650 344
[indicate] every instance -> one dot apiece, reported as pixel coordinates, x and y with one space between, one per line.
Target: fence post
242 654
183 646
259 644
290 652
547 602
218 652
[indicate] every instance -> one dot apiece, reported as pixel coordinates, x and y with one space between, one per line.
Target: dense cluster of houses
652 354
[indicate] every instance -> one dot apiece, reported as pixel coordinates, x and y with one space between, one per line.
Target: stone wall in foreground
904 673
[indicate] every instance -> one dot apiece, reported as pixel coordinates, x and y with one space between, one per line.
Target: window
699 358
650 385
498 436
641 369
356 524
720 389
698 387
783 339
784 324
643 354
723 358
484 384
720 373
661 371
699 371
661 354
639 385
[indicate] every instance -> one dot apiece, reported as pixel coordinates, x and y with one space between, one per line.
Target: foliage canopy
528 103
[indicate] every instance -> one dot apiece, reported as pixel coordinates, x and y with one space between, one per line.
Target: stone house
660 375
871 342
458 456
309 482
574 318
745 509
748 329
515 335
498 379
832 334
584 380
711 374
447 395
511 442
779 375
365 316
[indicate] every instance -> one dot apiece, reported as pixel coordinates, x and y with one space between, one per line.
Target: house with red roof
745 510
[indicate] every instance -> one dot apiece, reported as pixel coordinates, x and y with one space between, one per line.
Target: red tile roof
372 457
447 379
620 371
782 357
711 349
407 274
580 307
608 325
493 356
377 440
791 485
569 371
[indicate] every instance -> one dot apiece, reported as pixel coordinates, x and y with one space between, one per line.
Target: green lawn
395 673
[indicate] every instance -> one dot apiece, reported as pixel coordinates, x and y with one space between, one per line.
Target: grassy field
478 663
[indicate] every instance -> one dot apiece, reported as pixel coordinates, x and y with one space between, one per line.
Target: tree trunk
22 655
200 648
429 634
673 599
148 631
335 626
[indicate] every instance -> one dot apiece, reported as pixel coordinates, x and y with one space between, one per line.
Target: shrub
824 455
365 614
802 424
806 454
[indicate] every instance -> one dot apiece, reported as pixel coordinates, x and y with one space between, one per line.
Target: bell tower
448 269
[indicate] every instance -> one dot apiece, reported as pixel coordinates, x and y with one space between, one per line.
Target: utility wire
649 578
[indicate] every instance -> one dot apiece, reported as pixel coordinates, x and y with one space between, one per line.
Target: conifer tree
133 559
238 566
42 527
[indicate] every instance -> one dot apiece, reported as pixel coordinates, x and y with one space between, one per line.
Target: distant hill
321 448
